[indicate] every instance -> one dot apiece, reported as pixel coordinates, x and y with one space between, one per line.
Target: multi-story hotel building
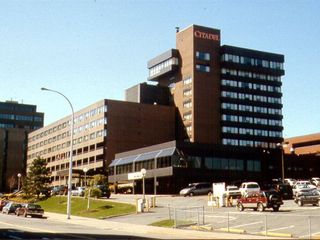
229 109
16 121
100 130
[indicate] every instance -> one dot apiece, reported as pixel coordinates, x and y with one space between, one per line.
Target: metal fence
279 224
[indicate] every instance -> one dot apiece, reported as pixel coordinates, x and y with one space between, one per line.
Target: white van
247 187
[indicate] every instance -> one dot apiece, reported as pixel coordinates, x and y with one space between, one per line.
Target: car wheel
191 194
276 209
300 203
240 207
260 207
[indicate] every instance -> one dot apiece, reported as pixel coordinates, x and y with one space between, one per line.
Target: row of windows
77 163
17 107
102 133
252 61
254 86
77 119
243 119
92 124
203 56
187 81
250 97
249 131
249 108
187 116
6 125
247 143
91 113
203 68
232 164
77 130
20 117
246 74
157 69
187 103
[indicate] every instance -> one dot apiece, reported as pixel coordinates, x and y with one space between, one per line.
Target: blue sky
91 50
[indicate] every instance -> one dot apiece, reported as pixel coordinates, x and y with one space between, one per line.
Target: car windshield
253 186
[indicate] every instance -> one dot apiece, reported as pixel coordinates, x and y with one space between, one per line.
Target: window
187 92
187 81
229 83
229 106
253 166
230 130
203 56
202 68
187 116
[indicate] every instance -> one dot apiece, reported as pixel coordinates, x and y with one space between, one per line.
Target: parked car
308 196
59 190
315 181
78 191
200 188
104 190
3 203
248 187
290 181
31 209
300 187
10 207
259 201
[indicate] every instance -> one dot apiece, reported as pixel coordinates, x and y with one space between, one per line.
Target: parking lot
291 220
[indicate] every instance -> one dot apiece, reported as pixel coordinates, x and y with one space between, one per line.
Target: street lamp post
143 172
85 170
71 150
19 177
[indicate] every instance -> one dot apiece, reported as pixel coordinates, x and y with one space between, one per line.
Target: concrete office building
100 130
302 156
229 109
16 121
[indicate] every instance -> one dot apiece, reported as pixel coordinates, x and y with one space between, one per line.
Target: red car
260 201
2 204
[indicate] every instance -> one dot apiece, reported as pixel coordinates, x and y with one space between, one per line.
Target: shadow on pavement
18 234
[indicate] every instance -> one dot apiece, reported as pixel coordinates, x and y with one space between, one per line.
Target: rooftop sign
208 36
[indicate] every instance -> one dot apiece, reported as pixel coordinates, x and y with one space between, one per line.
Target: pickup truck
233 191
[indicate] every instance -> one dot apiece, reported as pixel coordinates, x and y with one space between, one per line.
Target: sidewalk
147 231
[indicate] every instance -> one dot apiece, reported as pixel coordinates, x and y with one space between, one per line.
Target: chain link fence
268 223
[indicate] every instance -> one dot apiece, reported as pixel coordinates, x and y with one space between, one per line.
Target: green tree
99 179
38 178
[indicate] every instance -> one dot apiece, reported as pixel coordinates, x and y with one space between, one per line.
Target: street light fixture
71 150
143 172
19 177
85 170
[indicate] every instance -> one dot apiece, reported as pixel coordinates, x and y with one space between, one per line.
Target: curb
232 230
275 234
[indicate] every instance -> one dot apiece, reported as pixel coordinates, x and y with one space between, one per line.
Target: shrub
94 192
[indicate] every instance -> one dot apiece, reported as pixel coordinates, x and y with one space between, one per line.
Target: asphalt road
300 222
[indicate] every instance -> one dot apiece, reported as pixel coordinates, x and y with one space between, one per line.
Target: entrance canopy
143 156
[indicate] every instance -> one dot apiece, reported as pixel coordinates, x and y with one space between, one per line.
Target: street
290 221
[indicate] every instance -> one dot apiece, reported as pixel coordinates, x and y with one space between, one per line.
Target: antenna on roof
177 29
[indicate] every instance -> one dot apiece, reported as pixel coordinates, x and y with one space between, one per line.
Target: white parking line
247 224
276 229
